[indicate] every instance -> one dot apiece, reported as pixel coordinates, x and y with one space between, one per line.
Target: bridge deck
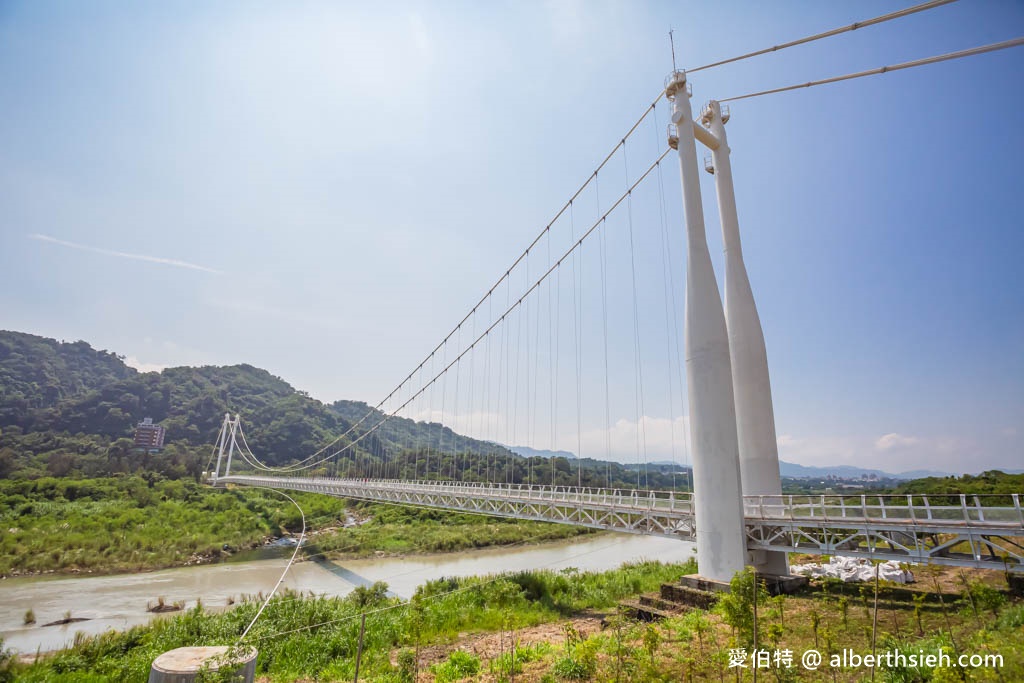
976 531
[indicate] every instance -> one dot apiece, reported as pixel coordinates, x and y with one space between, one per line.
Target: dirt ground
489 645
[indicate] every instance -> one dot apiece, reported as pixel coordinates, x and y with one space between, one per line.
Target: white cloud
1008 432
822 450
894 440
123 254
133 362
660 438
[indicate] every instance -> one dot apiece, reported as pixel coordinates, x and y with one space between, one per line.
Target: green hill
58 387
69 409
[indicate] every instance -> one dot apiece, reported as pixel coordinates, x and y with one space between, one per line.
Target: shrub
987 598
368 596
1012 618
407 665
574 668
737 606
459 665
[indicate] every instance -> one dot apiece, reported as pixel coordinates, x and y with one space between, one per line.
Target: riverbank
563 625
122 525
293 646
119 601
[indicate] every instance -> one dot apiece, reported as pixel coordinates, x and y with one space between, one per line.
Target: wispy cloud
132 361
894 440
123 254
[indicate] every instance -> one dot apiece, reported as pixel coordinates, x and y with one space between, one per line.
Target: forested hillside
991 482
56 387
67 409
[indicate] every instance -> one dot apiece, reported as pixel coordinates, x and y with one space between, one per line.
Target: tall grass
317 637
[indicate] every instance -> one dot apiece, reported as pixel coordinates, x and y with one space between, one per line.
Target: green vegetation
318 637
458 665
992 482
737 607
145 522
36 455
426 638
131 523
404 530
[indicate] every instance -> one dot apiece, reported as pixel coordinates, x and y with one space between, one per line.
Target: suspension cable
546 230
505 275
885 69
828 34
298 545
512 307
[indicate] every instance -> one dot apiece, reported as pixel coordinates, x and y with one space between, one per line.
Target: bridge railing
674 501
667 500
956 509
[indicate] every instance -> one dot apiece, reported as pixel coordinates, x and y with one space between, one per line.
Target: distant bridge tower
755 417
228 432
718 506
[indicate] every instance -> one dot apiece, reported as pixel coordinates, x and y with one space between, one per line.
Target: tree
737 606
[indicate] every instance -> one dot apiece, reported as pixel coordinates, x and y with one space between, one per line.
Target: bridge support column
220 445
755 417
231 446
718 505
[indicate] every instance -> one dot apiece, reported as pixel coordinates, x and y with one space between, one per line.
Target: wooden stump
183 665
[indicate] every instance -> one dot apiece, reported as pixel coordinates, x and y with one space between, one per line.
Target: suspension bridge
567 333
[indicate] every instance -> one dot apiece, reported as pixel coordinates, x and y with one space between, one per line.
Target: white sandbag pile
849 569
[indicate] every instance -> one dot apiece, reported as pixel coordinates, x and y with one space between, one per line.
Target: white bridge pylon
737 515
732 434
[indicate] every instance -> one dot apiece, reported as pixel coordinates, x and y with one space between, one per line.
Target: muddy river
120 601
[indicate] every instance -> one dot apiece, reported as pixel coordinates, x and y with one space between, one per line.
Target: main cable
577 244
1015 42
775 48
503 277
828 34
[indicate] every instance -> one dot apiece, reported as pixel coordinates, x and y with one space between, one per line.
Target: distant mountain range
528 452
791 469
787 469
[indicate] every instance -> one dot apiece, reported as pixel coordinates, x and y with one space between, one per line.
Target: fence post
359 651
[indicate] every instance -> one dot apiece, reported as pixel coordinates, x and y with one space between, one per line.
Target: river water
118 602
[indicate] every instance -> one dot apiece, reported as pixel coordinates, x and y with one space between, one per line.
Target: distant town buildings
149 436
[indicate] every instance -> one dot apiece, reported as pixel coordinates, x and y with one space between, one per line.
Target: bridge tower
752 389
228 431
718 502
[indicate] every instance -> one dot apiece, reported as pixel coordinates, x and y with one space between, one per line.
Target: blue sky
325 189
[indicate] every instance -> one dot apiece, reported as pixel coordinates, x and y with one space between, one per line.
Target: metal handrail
916 509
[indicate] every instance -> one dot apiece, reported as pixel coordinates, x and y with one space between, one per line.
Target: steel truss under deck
977 531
